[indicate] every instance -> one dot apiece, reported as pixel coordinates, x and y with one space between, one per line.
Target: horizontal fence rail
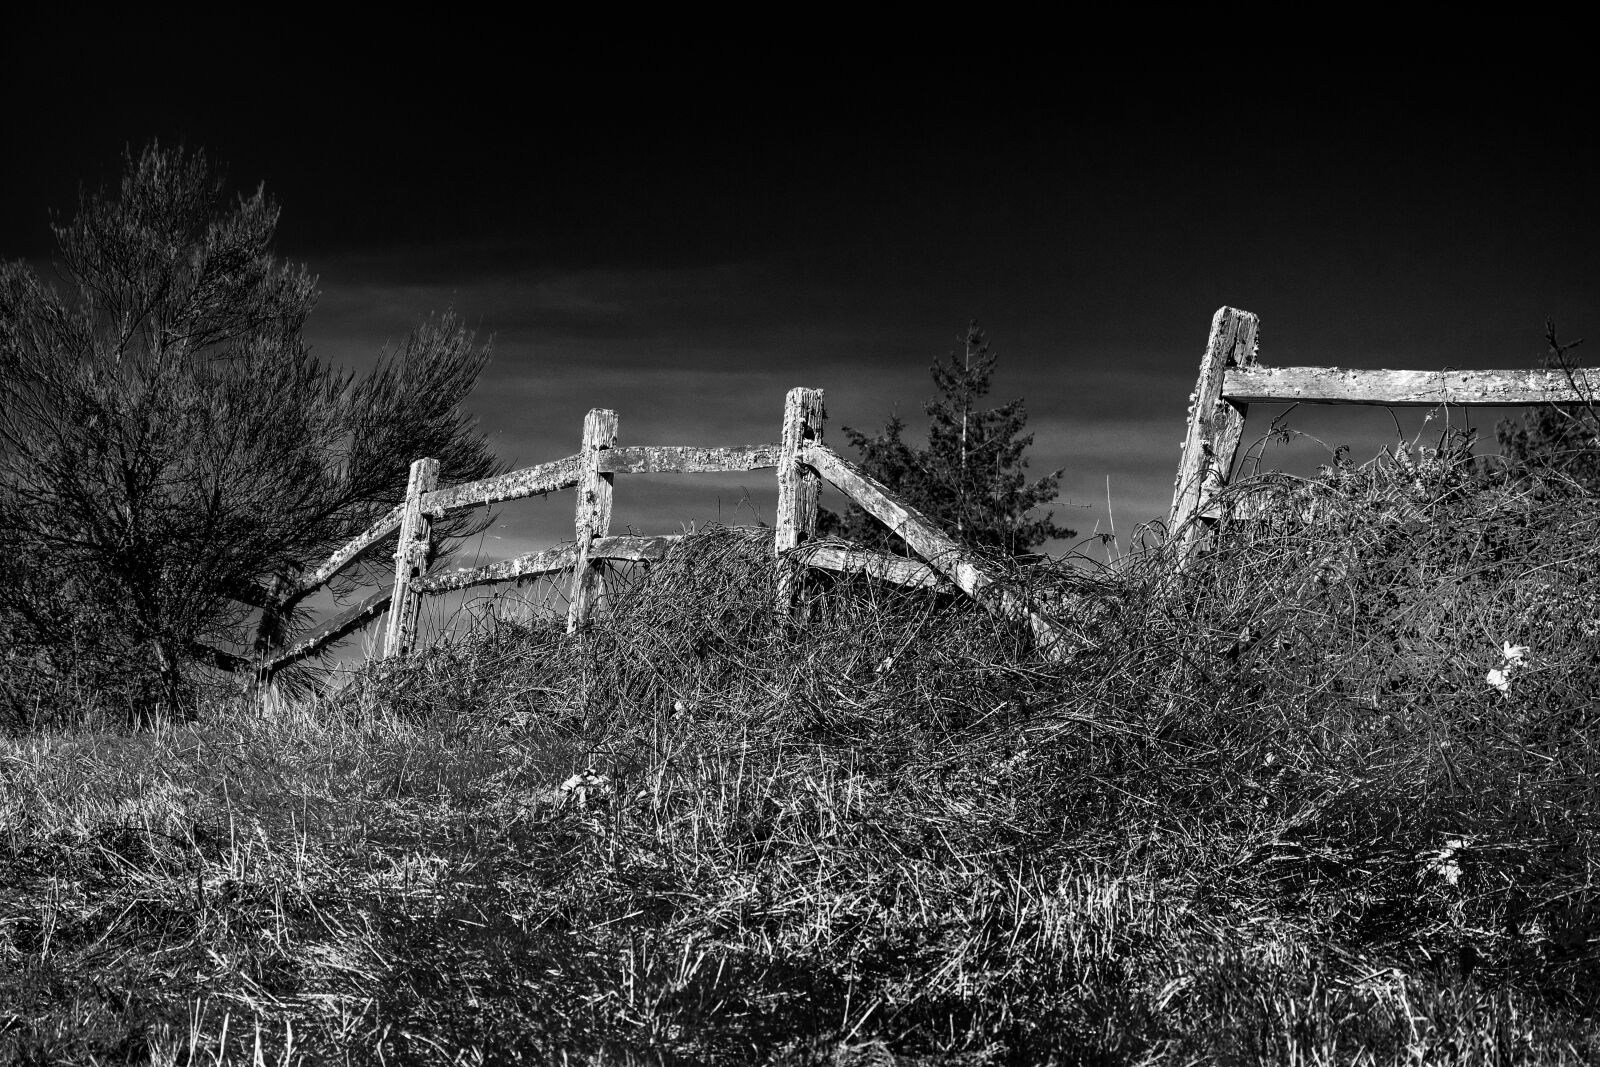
676 460
551 561
532 565
847 559
566 473
1406 388
518 485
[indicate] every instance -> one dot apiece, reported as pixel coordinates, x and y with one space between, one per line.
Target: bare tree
169 444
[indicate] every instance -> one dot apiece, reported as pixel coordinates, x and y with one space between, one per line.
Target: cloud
704 354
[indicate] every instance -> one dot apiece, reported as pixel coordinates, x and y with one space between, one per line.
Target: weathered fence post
270 631
410 560
798 486
593 513
1215 423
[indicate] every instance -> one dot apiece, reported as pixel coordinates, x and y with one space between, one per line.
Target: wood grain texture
633 549
530 481
347 621
410 560
531 565
933 545
674 459
837 557
915 528
549 561
1215 424
1407 388
593 514
346 555
798 487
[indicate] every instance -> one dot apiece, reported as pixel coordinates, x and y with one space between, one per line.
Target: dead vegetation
1273 812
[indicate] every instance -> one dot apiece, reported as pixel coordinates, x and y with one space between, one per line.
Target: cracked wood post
410 560
593 512
1215 423
798 486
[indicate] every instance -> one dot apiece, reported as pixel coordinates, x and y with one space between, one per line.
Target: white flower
1513 653
586 782
1500 680
1443 863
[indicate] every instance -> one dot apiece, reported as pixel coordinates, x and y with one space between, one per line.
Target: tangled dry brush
1272 811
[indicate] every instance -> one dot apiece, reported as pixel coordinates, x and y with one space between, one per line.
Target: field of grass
1273 811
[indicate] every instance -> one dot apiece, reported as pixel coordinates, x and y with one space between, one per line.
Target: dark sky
682 239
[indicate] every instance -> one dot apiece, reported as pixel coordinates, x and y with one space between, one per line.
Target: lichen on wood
932 544
845 558
1211 439
530 565
593 514
675 459
1408 388
347 554
410 560
633 549
342 624
529 481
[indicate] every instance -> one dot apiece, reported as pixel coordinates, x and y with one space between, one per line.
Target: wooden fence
800 459
1231 378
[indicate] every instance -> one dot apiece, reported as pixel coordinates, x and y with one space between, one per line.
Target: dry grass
1273 815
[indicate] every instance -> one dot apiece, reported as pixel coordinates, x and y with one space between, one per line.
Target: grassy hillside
1273 812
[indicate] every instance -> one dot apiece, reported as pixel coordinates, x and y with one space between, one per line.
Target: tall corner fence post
410 560
593 518
798 488
1216 423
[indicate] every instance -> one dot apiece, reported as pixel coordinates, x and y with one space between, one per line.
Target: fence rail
518 485
341 625
1231 378
680 460
926 539
550 561
364 542
801 462
1405 388
846 559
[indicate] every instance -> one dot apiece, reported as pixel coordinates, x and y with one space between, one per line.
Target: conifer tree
970 477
